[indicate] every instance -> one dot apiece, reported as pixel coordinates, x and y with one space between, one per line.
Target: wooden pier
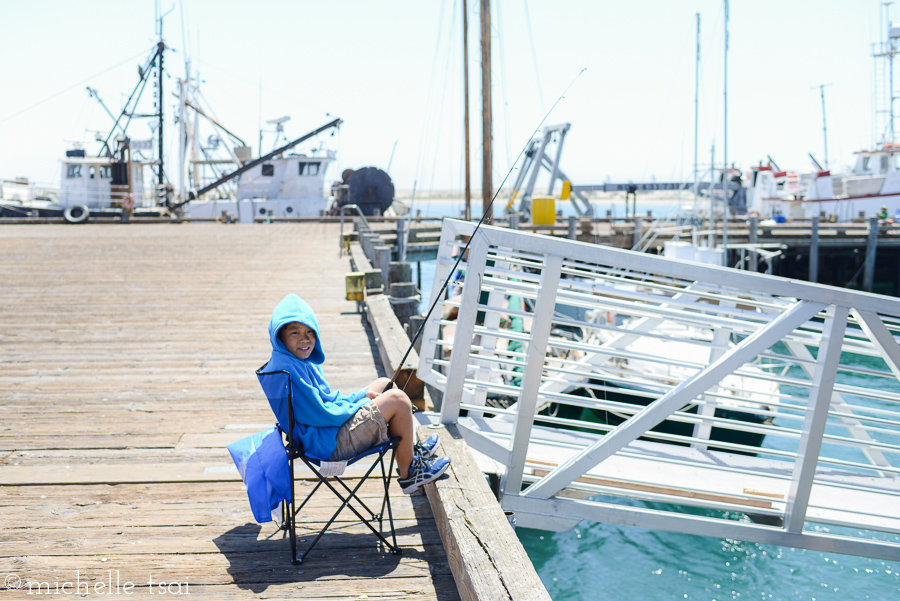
127 356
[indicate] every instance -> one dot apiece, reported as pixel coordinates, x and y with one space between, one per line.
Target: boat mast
891 50
159 79
824 129
711 233
885 49
465 9
725 151
160 47
486 163
696 108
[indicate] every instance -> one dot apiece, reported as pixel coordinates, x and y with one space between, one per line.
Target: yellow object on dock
566 190
543 210
346 239
356 286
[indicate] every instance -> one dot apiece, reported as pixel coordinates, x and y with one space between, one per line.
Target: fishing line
462 253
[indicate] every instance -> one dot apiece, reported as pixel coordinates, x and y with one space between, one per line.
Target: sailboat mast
486 163
725 151
696 107
465 9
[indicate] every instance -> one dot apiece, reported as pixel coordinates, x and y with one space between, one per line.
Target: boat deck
128 354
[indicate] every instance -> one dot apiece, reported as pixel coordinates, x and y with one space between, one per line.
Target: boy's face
299 339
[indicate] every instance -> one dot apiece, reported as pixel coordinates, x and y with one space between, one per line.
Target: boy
333 426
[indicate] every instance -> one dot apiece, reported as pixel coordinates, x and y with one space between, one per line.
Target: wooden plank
651 488
132 539
264 567
128 355
486 558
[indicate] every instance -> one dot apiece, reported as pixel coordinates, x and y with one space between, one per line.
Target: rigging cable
75 85
446 81
507 127
427 115
537 73
484 214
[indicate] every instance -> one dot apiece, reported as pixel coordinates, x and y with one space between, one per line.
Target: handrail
361 216
755 379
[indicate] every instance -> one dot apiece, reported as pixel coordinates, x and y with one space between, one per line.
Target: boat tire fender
76 214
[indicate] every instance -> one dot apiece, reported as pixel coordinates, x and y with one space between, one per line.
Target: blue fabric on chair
263 464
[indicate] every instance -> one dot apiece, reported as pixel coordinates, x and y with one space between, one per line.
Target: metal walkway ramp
627 388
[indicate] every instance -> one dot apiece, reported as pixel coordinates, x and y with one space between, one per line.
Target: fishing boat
215 178
871 186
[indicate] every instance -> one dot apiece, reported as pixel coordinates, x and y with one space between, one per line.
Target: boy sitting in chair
336 427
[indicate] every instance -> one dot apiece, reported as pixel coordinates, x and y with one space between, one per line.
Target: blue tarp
262 462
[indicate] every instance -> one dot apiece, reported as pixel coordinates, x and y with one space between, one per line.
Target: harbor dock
128 356
860 254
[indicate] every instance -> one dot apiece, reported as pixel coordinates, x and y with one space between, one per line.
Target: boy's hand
371 394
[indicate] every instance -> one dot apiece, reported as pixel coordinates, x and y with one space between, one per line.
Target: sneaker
425 449
423 471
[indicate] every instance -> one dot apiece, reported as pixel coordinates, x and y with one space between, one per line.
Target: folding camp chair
277 387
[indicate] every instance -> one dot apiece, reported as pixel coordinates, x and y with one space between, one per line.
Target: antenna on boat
822 87
279 129
485 214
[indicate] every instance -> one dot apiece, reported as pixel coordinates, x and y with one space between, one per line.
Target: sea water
604 561
596 561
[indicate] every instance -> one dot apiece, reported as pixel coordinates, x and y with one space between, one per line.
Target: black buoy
369 188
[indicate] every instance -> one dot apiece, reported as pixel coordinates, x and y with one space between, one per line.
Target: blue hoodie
318 412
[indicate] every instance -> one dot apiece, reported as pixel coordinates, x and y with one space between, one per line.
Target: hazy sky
392 69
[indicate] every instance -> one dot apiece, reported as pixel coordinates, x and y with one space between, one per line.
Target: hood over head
293 308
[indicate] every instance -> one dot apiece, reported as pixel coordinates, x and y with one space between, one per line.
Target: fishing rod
465 249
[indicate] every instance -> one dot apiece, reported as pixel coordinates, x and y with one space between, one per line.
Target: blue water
609 562
603 561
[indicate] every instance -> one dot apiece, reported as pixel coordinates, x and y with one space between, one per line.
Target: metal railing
365 224
624 387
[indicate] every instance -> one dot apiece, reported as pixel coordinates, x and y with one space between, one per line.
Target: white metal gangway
628 388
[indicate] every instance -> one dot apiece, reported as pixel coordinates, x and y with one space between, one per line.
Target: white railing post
534 366
465 327
488 343
816 416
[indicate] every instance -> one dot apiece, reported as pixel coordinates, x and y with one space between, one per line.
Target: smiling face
299 339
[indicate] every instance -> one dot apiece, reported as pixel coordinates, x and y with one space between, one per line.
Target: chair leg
291 518
346 502
386 502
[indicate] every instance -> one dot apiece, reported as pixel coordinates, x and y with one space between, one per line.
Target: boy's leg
396 408
378 385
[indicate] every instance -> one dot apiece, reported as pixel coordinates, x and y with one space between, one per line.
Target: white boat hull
250 209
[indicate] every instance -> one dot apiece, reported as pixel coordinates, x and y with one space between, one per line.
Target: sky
622 73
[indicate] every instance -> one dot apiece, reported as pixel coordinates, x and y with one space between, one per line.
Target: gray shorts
364 430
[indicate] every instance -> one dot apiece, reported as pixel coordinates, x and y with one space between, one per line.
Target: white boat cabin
294 176
88 181
872 183
289 186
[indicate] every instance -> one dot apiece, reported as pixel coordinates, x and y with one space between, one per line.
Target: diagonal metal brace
678 397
